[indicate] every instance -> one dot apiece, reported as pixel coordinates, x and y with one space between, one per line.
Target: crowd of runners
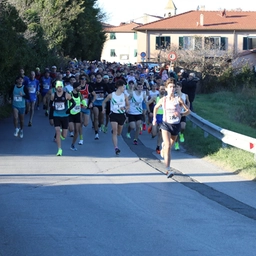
109 95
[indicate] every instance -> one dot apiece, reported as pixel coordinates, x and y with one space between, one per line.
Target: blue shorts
85 111
31 100
159 118
21 111
144 106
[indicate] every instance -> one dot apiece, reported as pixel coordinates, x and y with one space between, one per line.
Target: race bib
77 108
46 86
100 96
171 119
17 98
59 105
32 89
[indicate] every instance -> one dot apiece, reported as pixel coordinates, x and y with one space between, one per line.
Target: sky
126 10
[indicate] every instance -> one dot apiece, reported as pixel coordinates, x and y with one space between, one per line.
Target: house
215 31
121 44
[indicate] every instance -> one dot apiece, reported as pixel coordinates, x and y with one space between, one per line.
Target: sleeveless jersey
46 82
77 108
18 100
117 103
160 110
170 107
60 105
85 93
184 98
136 104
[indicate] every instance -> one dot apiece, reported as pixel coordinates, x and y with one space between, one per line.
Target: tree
85 37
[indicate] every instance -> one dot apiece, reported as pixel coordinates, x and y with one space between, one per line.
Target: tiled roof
122 28
212 20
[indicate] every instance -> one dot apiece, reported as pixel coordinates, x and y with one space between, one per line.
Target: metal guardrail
227 137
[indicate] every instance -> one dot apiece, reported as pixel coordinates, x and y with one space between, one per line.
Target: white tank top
184 98
136 104
117 103
170 107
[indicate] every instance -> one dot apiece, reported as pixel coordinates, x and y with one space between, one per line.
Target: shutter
181 42
245 43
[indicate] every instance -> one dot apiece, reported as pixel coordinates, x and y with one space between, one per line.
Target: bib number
59 105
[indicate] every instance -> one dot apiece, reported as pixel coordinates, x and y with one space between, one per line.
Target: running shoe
62 138
59 153
150 129
144 127
182 139
105 129
140 130
169 174
81 142
176 146
71 134
16 133
29 124
117 150
96 136
158 151
21 134
73 147
135 142
128 135
102 127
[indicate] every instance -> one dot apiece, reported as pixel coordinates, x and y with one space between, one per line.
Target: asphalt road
90 202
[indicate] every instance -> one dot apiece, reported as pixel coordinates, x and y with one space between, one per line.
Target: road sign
172 56
143 54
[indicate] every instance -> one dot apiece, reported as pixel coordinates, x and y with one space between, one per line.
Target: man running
119 104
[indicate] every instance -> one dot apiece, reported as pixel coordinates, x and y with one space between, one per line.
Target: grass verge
230 111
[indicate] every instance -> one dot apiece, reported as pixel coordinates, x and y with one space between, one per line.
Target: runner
119 104
183 118
88 95
98 118
155 131
46 85
59 101
18 95
75 117
33 89
135 113
172 112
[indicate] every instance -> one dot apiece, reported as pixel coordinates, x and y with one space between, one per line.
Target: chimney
201 19
223 14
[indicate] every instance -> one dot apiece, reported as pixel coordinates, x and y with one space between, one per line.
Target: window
249 43
112 53
190 43
216 43
163 43
135 53
135 35
212 43
112 36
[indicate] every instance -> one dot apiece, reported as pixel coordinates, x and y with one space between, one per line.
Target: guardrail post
224 145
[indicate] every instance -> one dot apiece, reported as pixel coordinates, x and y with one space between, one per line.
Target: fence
227 137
